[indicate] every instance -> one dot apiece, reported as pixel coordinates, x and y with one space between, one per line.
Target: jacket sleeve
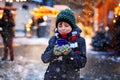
78 59
48 55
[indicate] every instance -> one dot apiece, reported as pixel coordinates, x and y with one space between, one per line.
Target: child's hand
57 51
65 49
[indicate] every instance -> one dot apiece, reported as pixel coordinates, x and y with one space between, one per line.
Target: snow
21 69
29 69
31 41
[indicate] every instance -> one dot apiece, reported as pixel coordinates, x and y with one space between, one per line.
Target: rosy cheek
69 30
60 31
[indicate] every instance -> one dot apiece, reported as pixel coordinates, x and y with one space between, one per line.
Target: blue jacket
65 67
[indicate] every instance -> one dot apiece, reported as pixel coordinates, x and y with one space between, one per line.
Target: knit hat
67 16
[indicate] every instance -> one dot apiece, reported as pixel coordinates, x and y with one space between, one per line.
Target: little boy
66 52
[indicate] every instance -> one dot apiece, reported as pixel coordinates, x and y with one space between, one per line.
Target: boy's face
64 28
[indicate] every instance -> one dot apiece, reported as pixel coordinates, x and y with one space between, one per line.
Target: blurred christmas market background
35 23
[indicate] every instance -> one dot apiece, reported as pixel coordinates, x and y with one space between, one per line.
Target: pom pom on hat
67 16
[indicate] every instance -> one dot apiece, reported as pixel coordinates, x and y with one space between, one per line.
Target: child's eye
59 25
66 25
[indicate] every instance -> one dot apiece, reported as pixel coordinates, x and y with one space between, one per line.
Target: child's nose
63 27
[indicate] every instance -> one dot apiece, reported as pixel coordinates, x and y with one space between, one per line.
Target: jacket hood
77 29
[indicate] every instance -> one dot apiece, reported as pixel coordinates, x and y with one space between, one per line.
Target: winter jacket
7 27
65 67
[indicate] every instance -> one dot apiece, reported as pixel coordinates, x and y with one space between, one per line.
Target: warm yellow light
30 21
9 0
119 4
0 16
114 21
28 27
119 14
17 0
117 10
44 11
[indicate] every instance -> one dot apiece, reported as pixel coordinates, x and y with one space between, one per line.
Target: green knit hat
67 16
